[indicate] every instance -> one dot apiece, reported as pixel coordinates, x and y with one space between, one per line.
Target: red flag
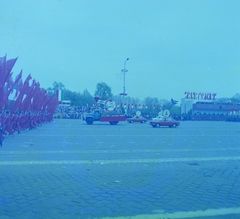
9 65
18 78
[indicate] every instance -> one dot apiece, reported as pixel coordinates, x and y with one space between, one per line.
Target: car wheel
154 126
89 121
174 125
113 123
157 125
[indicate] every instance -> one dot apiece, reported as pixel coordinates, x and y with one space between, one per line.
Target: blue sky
173 46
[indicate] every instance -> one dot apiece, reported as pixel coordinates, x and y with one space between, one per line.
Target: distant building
205 106
186 105
215 108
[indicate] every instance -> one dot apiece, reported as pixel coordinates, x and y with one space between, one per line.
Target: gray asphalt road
67 169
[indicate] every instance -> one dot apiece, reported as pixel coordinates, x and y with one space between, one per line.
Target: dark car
169 121
140 119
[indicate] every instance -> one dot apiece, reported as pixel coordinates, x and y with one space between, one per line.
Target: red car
169 121
137 119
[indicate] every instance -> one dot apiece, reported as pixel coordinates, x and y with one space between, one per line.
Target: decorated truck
106 112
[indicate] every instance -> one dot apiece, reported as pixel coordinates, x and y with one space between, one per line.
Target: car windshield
119 109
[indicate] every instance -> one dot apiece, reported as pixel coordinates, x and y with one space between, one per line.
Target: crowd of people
70 112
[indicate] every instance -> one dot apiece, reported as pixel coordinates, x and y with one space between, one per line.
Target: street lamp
124 71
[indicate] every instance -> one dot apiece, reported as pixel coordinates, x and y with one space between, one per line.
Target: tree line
104 91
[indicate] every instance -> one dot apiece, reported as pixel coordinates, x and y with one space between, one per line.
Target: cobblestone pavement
67 169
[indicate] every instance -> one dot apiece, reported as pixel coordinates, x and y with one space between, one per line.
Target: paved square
67 169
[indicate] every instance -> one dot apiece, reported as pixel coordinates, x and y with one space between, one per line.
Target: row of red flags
130 106
26 96
30 104
138 106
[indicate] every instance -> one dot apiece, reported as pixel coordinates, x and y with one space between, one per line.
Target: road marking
183 214
118 151
119 161
136 135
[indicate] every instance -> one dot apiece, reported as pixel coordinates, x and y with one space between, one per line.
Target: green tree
103 91
58 85
235 98
76 98
151 101
223 100
88 98
55 86
153 106
175 110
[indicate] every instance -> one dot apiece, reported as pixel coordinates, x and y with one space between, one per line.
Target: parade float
106 111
